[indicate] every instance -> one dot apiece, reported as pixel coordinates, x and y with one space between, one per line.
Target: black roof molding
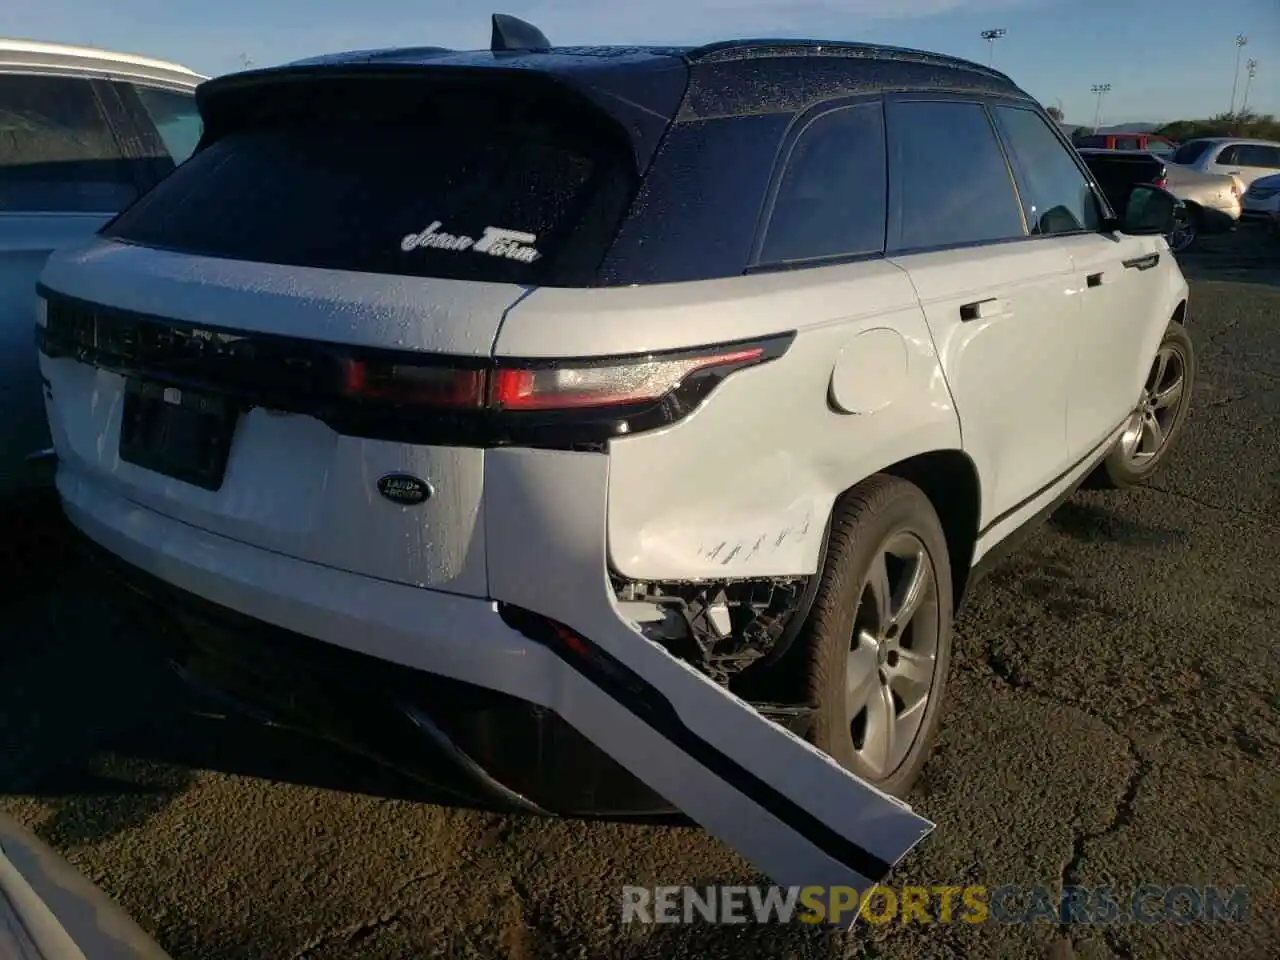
726 50
511 34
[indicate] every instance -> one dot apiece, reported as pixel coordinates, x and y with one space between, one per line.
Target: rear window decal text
494 241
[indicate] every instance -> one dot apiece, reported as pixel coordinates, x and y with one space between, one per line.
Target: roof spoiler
511 34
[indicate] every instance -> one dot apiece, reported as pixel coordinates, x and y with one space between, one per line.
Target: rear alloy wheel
879 634
1185 232
1155 423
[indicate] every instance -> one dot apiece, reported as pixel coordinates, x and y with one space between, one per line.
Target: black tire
864 522
1119 471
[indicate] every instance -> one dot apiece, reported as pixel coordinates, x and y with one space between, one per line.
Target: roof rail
511 34
788 47
17 45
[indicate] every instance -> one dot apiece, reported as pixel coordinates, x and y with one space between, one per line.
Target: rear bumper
486 746
405 675
1260 216
427 682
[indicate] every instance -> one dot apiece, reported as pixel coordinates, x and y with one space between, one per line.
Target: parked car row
83 133
1211 202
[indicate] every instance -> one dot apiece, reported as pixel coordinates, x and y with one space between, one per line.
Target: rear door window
949 182
1190 152
1056 195
831 200
485 196
57 150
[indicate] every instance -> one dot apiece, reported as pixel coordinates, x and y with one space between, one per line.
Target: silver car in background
83 133
1211 202
1245 160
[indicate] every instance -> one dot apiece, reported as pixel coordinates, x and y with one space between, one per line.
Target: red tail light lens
619 384
1162 183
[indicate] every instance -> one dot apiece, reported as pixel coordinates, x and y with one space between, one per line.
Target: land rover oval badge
403 489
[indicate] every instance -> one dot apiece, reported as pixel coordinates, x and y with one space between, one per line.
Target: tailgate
283 342
299 475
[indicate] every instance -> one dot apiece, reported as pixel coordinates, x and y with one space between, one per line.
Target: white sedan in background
1262 202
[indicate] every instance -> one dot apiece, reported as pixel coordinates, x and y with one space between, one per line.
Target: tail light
572 387
545 386
601 397
1163 183
401 395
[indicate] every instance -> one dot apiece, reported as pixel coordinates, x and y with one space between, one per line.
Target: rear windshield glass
1190 152
472 202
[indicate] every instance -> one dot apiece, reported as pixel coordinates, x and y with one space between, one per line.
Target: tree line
1242 123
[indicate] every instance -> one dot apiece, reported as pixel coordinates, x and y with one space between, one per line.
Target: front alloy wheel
1156 421
1153 420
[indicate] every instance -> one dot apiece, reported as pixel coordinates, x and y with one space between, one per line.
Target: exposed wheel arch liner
950 480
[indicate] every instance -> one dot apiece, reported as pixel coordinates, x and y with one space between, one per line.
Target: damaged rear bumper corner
789 809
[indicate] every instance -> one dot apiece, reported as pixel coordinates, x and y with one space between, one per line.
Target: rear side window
832 197
1229 154
1190 152
1056 196
481 198
57 151
175 118
949 180
1258 155
1158 146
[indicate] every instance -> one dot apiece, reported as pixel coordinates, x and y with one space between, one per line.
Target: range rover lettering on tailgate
722 403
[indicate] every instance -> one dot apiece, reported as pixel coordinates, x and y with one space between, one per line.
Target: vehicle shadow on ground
1092 522
1246 255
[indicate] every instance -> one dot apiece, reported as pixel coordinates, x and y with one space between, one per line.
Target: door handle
983 309
1096 279
1142 263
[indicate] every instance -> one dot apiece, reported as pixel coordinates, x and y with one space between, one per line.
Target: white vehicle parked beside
1262 202
83 132
591 418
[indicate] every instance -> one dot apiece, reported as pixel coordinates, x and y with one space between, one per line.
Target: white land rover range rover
628 437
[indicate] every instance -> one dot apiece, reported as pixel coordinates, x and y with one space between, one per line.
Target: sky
1164 59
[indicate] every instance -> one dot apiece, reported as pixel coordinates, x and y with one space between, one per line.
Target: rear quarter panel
743 487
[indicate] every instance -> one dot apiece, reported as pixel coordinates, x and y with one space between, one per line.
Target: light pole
1250 71
1241 41
991 36
1100 90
